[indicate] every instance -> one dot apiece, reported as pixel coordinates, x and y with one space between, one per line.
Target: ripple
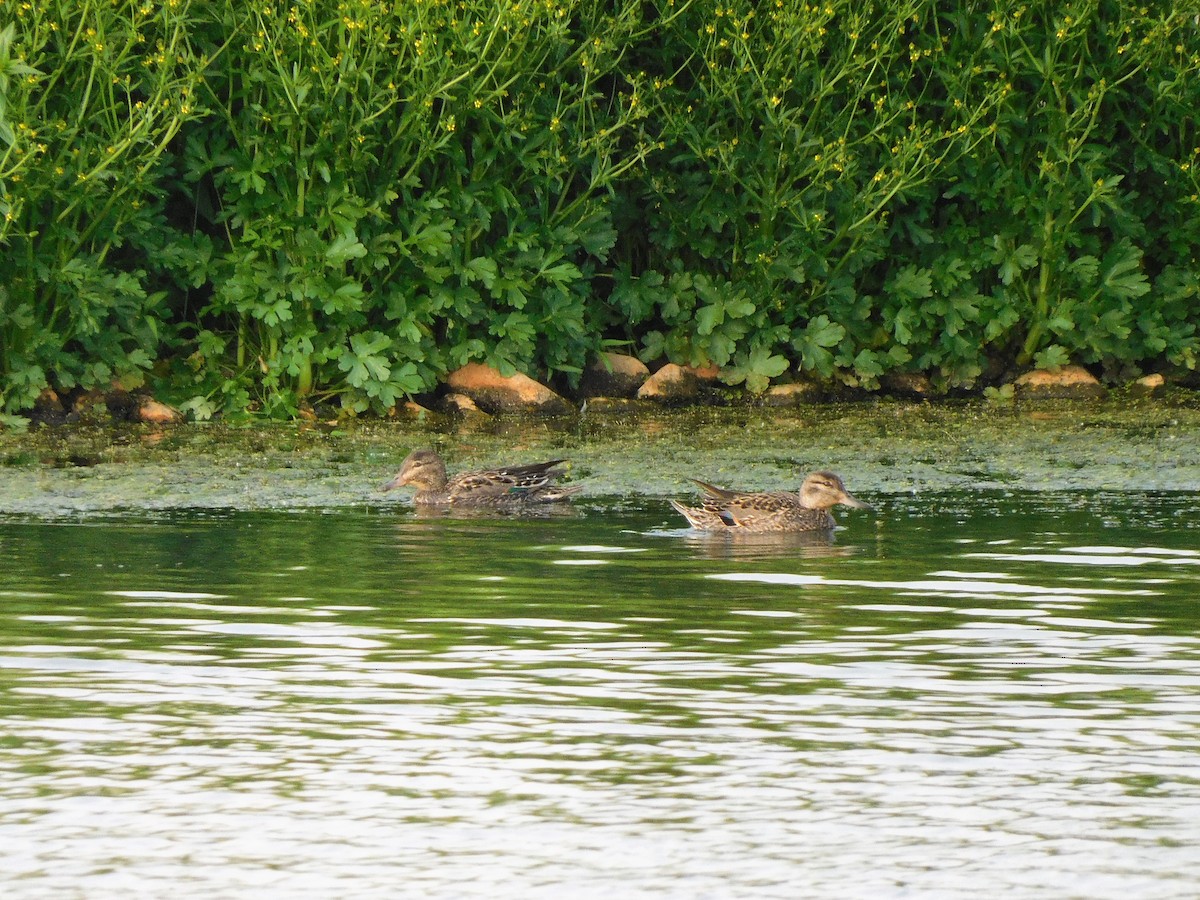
962 587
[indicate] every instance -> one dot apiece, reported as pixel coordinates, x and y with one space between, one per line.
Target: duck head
824 490
423 469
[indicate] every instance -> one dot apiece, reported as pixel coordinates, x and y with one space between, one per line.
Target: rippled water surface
961 691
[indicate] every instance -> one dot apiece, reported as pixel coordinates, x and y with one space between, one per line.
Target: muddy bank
879 447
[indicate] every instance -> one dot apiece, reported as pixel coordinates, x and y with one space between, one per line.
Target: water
962 690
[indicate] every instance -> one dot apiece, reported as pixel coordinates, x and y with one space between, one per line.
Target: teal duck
803 510
509 486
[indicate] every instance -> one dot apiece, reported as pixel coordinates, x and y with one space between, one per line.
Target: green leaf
1084 268
345 247
1122 272
739 307
823 333
563 273
1052 357
708 318
482 269
362 360
1012 261
867 365
756 369
911 283
434 240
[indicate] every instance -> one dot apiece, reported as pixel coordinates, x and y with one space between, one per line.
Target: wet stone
497 393
1067 383
670 384
613 375
1148 385
786 395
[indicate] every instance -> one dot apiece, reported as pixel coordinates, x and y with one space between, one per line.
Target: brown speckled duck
508 487
805 510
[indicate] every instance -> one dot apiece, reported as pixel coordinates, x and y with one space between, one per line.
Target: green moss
889 447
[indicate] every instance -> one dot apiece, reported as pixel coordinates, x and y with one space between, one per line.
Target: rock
460 404
670 384
609 405
496 393
908 384
704 373
613 375
90 408
1068 383
799 394
48 401
48 408
154 412
1147 385
410 409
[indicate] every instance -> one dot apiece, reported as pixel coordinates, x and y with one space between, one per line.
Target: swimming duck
504 487
805 510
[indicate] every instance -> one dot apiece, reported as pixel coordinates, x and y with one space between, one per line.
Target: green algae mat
878 447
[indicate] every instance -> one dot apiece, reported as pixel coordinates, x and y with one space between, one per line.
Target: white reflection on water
1102 556
956 587
816 734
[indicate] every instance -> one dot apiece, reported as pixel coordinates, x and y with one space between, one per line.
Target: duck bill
854 502
399 481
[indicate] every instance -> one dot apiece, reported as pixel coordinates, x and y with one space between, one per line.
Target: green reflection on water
951 667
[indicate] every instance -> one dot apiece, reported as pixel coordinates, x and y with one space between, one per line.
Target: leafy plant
91 97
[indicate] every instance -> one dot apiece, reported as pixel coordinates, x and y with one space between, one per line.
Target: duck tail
719 492
693 516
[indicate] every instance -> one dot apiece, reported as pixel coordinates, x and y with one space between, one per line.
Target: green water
964 689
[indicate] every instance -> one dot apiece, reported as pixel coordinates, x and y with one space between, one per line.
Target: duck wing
507 483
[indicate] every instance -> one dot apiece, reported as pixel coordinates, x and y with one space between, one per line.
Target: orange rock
798 394
1069 382
704 373
461 404
154 412
670 384
613 375
1147 385
88 400
908 384
498 393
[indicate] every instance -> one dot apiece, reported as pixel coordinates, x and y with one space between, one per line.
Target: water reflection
750 546
985 691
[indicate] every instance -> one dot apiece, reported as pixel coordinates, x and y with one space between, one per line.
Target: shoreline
879 447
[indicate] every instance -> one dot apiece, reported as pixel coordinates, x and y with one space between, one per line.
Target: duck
766 511
506 486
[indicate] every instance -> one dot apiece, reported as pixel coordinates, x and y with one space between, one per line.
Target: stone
704 373
799 394
908 384
461 405
410 409
48 401
1067 383
670 384
1147 385
154 412
496 393
613 375
48 408
610 405
89 408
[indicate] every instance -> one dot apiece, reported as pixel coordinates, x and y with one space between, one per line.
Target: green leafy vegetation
254 207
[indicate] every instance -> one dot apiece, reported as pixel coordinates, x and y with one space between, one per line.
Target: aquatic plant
262 206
